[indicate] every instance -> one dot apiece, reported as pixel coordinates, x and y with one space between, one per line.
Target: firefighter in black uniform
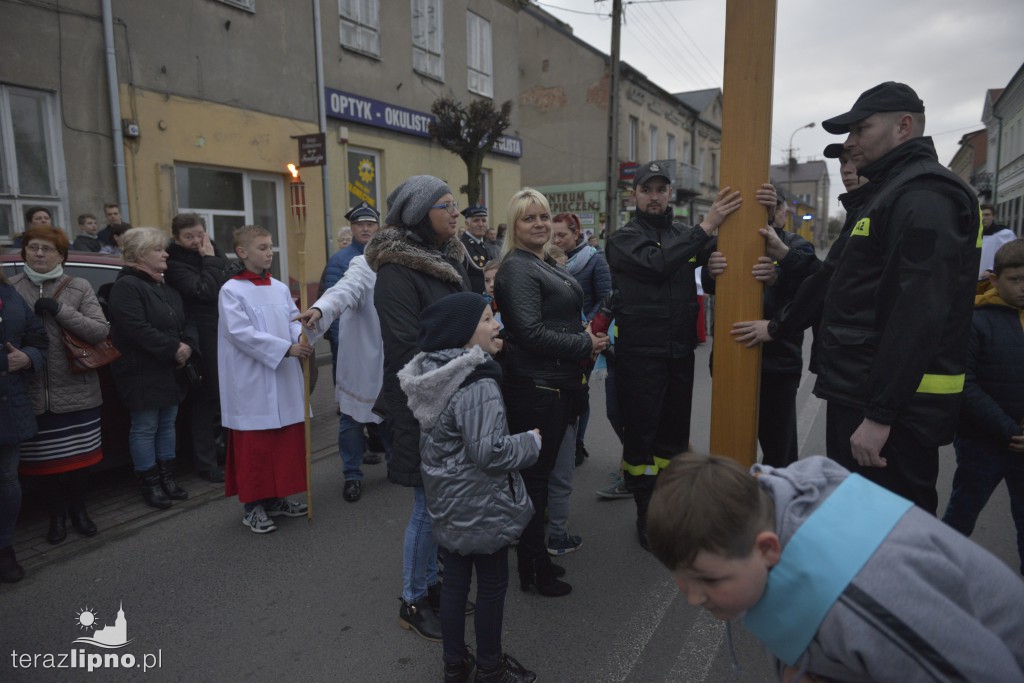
892 344
654 301
478 250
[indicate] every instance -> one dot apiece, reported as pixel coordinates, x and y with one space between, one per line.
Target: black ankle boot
58 527
461 672
152 492
10 570
172 490
80 519
419 618
507 671
542 574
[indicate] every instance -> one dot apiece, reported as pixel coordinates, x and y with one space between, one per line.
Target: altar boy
261 386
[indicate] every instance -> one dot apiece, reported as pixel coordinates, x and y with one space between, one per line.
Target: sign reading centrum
359 109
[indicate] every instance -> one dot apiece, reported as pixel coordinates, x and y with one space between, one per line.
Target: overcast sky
826 53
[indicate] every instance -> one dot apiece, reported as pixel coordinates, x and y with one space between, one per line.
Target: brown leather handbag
83 356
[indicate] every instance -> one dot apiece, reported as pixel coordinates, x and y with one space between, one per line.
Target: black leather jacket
542 309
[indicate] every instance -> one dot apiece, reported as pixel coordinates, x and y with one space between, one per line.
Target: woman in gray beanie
418 260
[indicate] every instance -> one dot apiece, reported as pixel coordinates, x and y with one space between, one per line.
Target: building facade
806 184
1003 117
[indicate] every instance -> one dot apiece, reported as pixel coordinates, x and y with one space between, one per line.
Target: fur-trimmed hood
430 380
403 247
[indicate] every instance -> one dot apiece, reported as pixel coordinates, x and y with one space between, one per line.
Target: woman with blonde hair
156 341
546 347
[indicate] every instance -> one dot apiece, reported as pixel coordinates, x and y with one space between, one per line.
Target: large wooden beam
746 156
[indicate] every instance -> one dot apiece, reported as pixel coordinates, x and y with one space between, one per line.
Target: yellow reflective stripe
646 470
941 384
693 259
862 228
981 230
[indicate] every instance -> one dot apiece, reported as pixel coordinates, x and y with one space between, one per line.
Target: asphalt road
209 601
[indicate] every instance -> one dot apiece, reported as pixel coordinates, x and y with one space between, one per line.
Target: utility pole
612 182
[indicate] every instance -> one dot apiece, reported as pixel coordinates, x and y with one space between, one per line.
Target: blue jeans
491 586
419 554
10 493
560 485
351 446
980 467
151 437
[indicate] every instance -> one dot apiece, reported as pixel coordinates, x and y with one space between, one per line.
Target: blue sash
819 561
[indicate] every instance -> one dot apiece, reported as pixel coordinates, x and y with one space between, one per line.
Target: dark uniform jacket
411 275
897 313
147 323
655 304
542 309
479 253
20 327
784 354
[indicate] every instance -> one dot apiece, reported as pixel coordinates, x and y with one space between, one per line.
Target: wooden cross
746 156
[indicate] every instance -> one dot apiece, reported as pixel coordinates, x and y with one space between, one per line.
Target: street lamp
790 161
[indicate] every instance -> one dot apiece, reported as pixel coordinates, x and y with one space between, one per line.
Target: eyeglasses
44 248
450 207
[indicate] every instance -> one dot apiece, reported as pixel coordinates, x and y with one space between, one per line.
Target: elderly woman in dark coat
418 260
66 403
24 344
156 340
546 349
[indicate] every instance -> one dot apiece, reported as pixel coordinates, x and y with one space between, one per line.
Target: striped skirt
65 442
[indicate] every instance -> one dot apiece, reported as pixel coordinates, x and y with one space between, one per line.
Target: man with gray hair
892 344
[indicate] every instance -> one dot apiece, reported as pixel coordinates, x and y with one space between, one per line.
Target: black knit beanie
450 323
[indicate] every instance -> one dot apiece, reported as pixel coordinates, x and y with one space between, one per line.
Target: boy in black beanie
476 499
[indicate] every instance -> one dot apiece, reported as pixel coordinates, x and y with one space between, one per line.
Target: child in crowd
838 577
491 272
87 239
261 386
989 442
475 496
117 237
558 254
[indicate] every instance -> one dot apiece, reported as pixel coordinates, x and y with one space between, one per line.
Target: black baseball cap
888 96
651 170
834 150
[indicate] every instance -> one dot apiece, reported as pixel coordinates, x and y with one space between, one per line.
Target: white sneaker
257 521
288 508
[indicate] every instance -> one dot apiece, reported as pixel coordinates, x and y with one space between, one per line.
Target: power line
653 28
575 11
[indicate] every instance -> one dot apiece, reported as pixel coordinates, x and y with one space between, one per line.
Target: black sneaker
419 618
461 672
371 458
353 490
507 671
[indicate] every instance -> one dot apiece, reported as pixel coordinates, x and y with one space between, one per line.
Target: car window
97 274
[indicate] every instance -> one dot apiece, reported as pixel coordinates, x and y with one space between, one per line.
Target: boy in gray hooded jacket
838 577
475 496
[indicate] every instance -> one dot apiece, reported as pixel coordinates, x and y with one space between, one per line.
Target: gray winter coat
928 605
57 389
475 495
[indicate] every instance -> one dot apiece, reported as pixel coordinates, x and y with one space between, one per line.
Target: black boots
58 527
419 618
461 672
172 490
507 671
10 570
542 574
152 492
80 519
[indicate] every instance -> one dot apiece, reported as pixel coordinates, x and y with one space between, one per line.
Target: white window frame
654 143
633 138
247 5
362 19
12 196
485 187
479 60
427 40
246 214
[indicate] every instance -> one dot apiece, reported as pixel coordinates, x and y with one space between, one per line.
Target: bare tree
470 133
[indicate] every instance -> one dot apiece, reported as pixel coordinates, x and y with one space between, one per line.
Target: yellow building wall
178 130
402 156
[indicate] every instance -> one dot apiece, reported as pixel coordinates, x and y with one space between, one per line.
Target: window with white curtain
478 55
360 25
428 38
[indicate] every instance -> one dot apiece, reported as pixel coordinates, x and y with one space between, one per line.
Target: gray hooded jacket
469 462
928 604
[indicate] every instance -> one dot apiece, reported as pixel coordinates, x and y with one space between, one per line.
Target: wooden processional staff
297 199
746 156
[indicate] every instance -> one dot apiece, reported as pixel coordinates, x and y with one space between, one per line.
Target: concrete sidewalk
116 506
